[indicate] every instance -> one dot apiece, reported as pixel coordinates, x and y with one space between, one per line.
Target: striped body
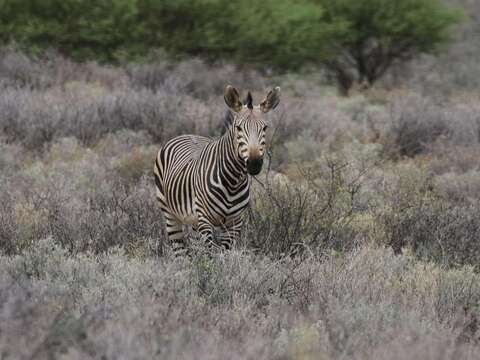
206 183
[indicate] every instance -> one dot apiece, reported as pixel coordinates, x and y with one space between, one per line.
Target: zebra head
249 126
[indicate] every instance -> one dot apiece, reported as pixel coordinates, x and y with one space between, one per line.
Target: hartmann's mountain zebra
205 182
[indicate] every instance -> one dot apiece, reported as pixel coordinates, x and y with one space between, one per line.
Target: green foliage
278 33
82 29
281 34
419 24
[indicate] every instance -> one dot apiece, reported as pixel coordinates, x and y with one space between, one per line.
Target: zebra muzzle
254 166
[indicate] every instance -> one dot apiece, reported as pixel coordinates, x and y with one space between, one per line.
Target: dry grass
235 305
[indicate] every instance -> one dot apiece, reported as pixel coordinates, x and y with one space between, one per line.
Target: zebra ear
232 98
271 101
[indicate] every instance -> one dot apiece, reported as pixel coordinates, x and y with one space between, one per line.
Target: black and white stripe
205 182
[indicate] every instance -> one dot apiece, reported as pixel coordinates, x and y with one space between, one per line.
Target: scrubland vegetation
361 241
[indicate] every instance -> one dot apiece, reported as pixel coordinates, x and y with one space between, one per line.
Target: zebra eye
265 128
238 128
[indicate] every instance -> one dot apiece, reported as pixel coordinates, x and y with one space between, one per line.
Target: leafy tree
82 29
380 33
282 34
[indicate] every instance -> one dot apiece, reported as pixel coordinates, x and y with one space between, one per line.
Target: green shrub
82 29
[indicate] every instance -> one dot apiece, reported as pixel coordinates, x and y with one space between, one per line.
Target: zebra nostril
254 166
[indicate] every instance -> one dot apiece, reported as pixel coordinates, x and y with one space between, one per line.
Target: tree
87 29
280 34
379 33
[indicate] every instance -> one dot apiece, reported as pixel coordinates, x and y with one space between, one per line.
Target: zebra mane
249 101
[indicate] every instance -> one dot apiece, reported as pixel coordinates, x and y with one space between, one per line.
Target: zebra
205 182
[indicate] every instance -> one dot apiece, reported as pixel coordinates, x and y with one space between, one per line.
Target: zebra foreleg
230 233
205 229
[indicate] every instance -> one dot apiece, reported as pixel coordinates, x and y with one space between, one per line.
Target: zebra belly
189 219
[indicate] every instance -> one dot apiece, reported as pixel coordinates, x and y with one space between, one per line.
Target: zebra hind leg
176 236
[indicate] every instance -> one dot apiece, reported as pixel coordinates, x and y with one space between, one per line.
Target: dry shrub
447 158
54 70
115 215
233 305
193 77
413 124
463 188
88 113
313 213
84 198
417 213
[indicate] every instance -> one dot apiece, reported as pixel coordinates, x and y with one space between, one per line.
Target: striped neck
232 168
